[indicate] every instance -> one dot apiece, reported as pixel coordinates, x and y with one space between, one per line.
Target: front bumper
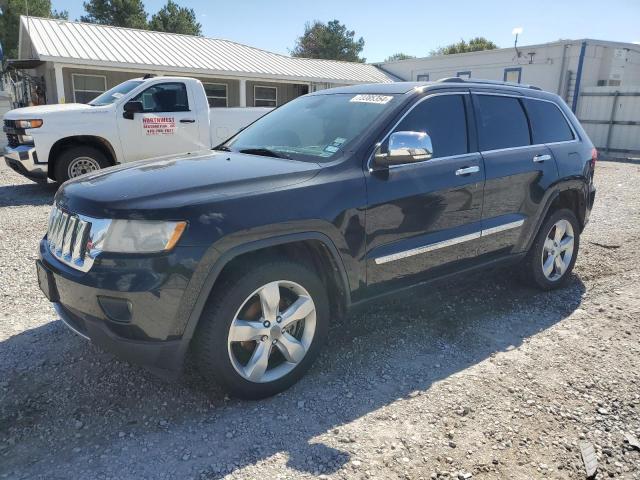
24 160
159 356
134 307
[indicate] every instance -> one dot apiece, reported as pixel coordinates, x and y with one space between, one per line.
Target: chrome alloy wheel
557 251
81 165
272 331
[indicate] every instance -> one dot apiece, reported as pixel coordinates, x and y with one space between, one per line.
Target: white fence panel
611 118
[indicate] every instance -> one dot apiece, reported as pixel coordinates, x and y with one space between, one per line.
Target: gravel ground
480 377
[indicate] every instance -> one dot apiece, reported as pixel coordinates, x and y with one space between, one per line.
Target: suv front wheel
262 328
552 256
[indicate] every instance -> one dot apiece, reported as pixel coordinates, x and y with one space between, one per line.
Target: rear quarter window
548 124
502 123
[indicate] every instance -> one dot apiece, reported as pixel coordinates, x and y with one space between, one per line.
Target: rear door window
502 123
443 118
548 124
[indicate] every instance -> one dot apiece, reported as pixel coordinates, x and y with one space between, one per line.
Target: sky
411 27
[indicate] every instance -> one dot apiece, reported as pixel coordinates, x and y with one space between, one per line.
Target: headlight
28 123
137 236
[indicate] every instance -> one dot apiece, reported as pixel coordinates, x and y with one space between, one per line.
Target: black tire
210 342
72 155
532 271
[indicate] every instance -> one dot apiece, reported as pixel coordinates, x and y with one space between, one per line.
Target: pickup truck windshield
313 128
110 96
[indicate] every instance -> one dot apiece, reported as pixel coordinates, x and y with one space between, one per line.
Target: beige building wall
285 91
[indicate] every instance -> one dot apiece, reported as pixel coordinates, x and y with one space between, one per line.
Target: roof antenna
516 31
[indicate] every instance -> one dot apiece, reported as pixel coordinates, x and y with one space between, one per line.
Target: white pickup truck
141 118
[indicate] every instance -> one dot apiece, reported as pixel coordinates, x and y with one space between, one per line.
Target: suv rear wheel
262 329
550 261
76 161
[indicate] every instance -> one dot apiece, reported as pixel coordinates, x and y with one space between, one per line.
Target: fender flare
224 258
558 189
79 140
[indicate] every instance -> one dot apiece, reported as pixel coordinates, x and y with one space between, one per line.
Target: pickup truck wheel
77 161
262 329
550 261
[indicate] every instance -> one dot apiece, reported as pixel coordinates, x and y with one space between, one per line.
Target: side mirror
404 147
131 108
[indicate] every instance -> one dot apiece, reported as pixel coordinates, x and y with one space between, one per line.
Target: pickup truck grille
12 138
68 237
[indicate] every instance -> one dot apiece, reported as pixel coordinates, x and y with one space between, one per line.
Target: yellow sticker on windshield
369 98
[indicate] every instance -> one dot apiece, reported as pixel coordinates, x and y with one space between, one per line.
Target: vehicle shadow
375 357
27 194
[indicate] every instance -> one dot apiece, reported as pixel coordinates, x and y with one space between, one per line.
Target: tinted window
443 119
164 97
547 122
315 127
502 123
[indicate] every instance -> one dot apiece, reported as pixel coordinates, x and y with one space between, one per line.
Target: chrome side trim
63 317
448 243
502 228
427 248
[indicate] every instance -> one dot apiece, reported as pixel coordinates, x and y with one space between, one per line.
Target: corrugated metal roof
90 44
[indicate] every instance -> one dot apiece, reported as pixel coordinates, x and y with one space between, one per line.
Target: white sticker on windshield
381 99
117 95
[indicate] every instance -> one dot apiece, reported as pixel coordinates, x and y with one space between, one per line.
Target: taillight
594 157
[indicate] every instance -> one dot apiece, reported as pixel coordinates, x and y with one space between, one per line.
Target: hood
40 110
150 188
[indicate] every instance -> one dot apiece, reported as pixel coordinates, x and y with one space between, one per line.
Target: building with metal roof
76 61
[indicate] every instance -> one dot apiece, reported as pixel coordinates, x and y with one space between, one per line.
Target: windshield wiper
222 148
265 152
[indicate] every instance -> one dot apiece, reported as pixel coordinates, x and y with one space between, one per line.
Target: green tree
398 56
10 11
175 19
119 13
330 41
473 45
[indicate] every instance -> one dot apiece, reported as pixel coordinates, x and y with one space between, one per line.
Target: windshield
110 96
313 128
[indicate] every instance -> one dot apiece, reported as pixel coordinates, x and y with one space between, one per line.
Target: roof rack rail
486 82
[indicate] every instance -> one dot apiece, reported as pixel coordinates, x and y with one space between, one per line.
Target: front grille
12 138
67 237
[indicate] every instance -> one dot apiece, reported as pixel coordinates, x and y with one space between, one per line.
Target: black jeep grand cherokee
246 253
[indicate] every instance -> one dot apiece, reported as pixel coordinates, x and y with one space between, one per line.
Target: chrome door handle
541 158
467 170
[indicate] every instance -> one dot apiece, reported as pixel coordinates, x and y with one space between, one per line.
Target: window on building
87 87
466 74
216 94
513 75
548 124
444 119
423 77
164 97
502 123
265 96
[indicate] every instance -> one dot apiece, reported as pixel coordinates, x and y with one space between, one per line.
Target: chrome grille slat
67 238
70 231
79 247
